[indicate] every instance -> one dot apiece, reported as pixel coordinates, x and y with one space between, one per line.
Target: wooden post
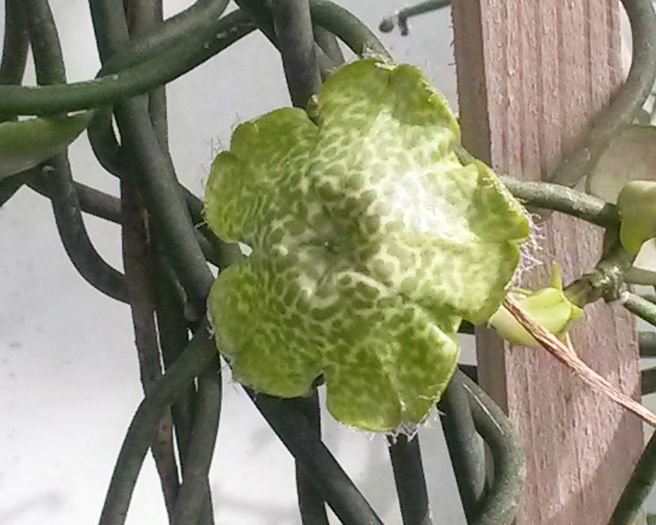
531 77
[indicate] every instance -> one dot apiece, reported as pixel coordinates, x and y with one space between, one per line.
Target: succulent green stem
401 17
194 360
293 26
636 491
501 501
405 454
605 280
15 45
644 309
141 78
560 198
465 446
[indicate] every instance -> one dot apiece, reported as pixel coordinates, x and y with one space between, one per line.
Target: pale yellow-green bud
548 306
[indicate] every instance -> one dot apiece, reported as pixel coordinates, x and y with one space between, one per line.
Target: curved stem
607 277
401 17
74 236
500 504
310 502
328 43
10 185
141 78
173 339
56 173
193 51
293 27
91 200
348 28
104 143
144 135
15 45
194 492
108 207
152 42
627 103
108 152
465 445
44 40
260 13
196 357
153 171
644 309
138 274
405 455
333 484
638 488
563 199
159 187
295 40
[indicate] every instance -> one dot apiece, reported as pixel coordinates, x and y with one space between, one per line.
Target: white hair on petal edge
406 428
531 255
432 419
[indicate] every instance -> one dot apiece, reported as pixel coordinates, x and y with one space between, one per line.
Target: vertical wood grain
531 78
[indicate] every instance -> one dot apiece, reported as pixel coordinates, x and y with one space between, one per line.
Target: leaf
371 242
630 156
625 174
636 206
26 143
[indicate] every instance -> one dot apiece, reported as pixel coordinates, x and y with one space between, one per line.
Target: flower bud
548 306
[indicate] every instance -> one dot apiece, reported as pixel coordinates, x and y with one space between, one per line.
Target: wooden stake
531 77
566 354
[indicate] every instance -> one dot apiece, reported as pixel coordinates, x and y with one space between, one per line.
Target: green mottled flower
371 242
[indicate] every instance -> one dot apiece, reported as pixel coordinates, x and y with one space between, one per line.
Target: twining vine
167 245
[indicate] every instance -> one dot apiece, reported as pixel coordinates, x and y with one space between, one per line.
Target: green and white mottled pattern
371 242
